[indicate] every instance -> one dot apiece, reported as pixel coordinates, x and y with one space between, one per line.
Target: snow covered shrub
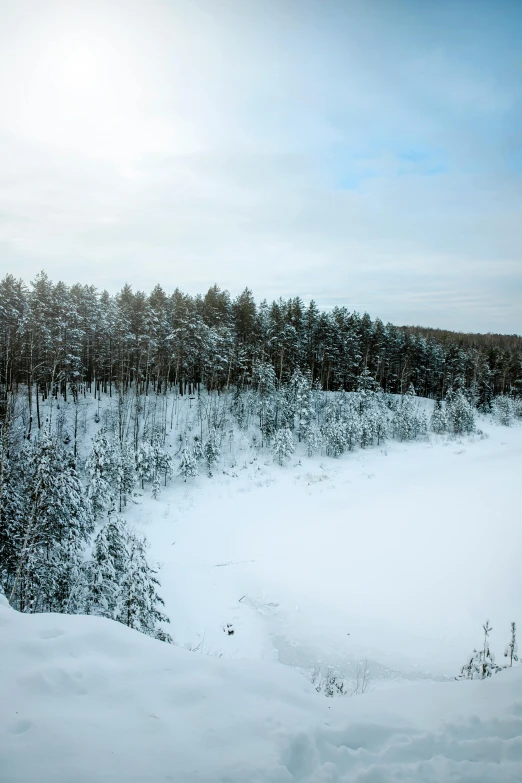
328 682
481 663
283 445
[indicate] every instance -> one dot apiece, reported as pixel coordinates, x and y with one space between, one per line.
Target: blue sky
358 153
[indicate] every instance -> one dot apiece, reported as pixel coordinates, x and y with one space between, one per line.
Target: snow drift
86 699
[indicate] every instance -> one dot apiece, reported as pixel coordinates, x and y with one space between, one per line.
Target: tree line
63 340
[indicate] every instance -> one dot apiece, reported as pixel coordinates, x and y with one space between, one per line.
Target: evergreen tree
439 421
313 438
283 445
188 466
211 450
460 412
101 472
504 410
145 463
139 603
511 651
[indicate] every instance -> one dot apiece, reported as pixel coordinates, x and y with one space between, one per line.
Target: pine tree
60 522
101 472
511 651
211 450
439 421
188 466
460 412
312 437
283 445
197 448
138 600
126 473
503 409
145 463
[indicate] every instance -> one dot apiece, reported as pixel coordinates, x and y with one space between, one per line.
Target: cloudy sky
365 153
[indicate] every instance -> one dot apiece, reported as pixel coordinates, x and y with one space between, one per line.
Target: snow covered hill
86 700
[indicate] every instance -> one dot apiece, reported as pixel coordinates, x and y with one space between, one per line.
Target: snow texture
87 700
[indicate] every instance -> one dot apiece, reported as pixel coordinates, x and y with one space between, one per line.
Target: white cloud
189 147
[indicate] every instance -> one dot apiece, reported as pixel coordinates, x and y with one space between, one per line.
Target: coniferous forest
287 377
57 339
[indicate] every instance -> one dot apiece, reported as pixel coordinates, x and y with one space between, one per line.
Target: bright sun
81 93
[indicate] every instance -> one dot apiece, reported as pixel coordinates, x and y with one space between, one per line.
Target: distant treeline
61 339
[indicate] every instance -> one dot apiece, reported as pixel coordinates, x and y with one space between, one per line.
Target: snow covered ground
87 700
396 554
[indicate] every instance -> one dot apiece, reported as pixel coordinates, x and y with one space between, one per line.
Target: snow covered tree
405 420
504 410
301 392
283 445
211 450
439 421
145 463
511 651
107 569
197 448
312 437
58 523
126 472
334 436
188 466
139 603
99 470
267 406
460 412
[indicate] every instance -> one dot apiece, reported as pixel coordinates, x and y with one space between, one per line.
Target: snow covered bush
481 663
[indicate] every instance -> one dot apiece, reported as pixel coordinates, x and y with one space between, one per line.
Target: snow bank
84 700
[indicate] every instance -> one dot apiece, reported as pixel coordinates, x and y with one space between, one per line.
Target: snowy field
395 554
87 700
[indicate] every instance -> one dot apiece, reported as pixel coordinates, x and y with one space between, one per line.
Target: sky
365 154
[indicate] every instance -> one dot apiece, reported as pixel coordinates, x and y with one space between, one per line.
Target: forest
56 339
106 397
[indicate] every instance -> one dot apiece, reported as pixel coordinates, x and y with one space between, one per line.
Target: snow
408 548
395 555
86 699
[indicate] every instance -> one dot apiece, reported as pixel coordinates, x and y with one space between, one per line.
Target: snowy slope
397 554
86 700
